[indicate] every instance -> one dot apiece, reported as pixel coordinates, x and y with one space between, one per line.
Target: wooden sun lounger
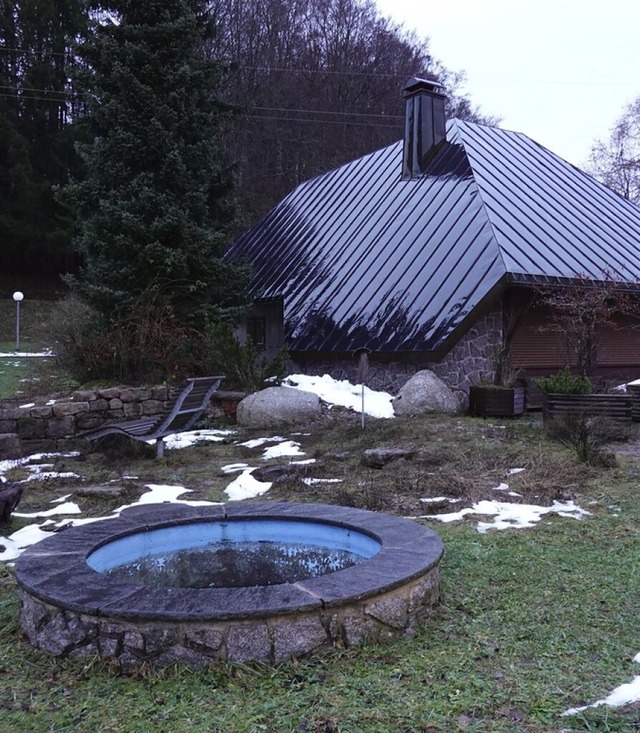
181 416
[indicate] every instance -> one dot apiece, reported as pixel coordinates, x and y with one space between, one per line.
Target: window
256 331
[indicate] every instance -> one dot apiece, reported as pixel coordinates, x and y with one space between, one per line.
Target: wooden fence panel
617 407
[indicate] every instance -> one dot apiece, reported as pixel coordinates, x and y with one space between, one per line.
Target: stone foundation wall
62 632
470 361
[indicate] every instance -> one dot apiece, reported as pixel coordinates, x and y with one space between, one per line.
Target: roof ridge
456 123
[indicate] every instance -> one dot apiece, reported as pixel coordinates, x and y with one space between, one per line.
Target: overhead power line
17 93
244 67
323 122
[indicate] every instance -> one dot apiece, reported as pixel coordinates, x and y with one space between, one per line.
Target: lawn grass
18 375
26 376
23 377
533 621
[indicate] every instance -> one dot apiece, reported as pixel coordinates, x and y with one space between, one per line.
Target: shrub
244 366
564 382
141 343
587 435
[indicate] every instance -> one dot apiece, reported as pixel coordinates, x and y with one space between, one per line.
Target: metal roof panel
366 259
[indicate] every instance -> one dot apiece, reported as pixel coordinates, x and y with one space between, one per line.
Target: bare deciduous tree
320 84
616 161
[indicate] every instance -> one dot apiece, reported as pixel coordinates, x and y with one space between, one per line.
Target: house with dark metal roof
411 252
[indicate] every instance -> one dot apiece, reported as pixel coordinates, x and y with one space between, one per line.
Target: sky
560 71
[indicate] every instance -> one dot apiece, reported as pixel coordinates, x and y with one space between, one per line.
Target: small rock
10 445
379 457
278 473
106 491
10 496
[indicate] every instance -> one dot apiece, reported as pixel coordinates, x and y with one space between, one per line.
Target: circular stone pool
168 583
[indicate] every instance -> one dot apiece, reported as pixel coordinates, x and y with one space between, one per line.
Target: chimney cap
418 84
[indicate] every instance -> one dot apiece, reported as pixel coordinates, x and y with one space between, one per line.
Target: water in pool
234 564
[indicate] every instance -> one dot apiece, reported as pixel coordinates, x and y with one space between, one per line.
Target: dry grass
533 621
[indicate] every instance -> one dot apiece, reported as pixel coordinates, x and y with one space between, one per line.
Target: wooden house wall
536 350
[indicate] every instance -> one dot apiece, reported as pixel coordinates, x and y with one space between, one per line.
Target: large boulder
425 393
276 407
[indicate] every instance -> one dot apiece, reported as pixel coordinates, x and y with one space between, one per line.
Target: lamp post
18 296
363 372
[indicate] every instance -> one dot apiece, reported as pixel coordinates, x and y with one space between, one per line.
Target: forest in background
310 84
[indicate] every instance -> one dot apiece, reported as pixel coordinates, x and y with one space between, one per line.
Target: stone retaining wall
52 424
55 424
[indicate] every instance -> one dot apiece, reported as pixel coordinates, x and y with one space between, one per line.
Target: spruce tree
154 209
36 135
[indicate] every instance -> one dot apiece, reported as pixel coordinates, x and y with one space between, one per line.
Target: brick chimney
424 124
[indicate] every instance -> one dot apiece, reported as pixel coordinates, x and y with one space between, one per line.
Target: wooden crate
489 401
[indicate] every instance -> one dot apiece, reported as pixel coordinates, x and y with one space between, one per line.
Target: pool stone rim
55 570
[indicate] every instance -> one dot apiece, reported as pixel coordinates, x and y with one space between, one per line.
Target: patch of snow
505 488
246 487
234 467
46 475
622 695
16 543
512 516
44 456
446 518
37 467
68 507
305 462
11 463
20 354
433 499
60 500
311 481
29 404
343 393
512 471
191 437
501 487
287 448
160 493
257 442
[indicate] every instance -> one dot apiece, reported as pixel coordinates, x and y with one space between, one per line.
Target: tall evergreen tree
36 139
154 209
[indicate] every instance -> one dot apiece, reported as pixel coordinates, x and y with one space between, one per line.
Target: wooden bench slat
183 413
